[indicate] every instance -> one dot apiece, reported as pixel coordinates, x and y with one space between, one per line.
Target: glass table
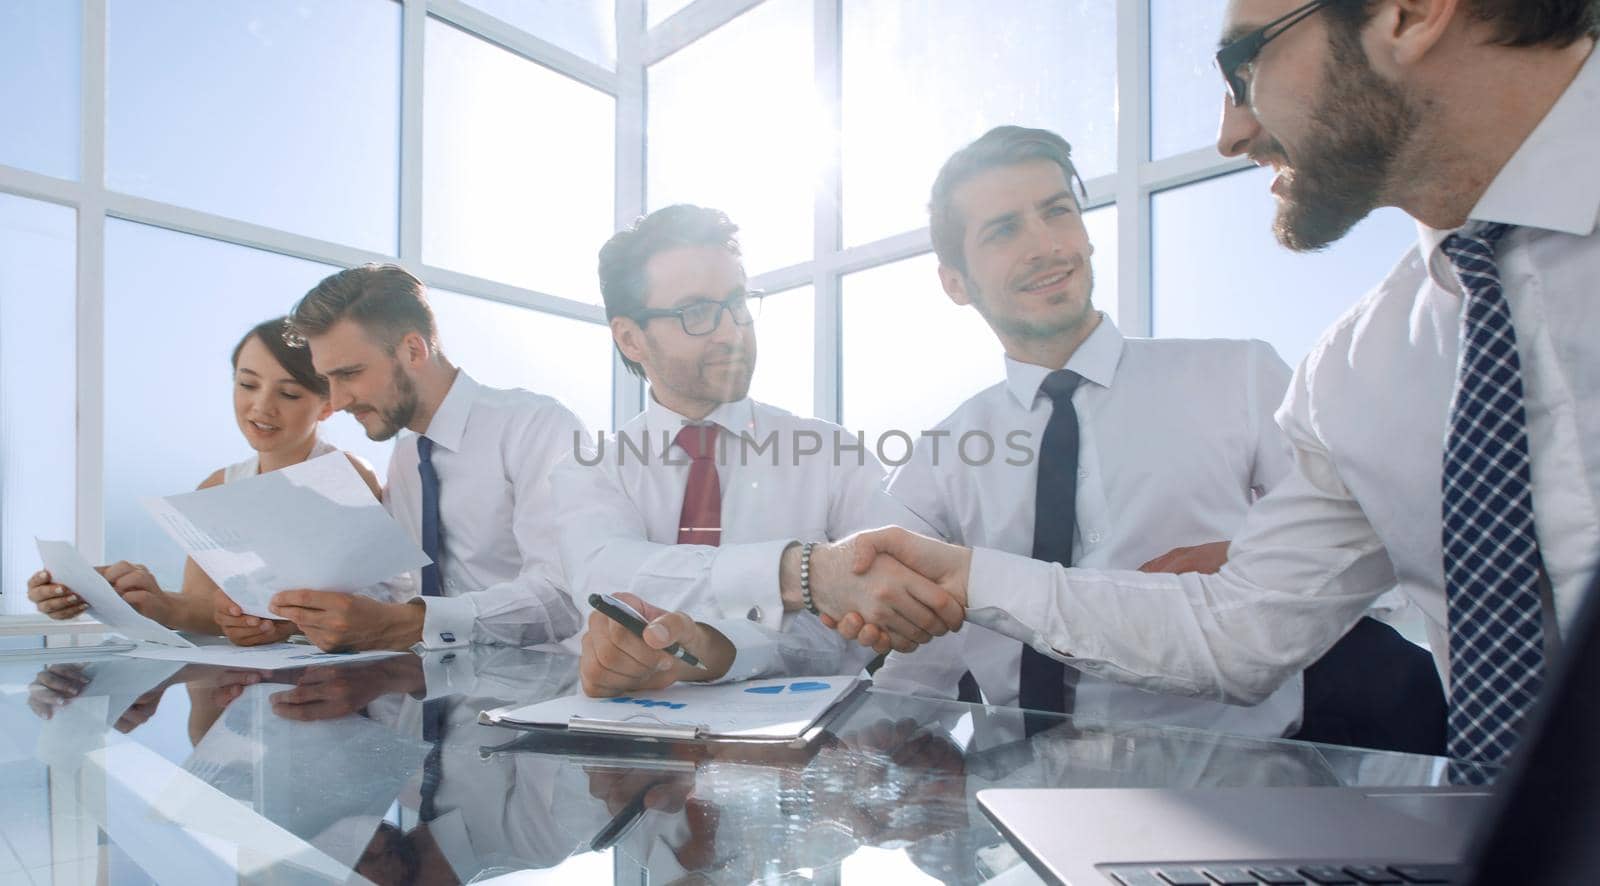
123 770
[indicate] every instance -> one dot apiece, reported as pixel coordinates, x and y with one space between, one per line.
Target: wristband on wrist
805 578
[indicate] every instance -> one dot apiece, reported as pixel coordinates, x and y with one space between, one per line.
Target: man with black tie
1135 445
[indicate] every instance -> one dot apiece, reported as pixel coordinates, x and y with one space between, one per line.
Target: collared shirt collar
1552 182
449 422
735 418
1095 360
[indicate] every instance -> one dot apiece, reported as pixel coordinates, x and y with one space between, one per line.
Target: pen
628 617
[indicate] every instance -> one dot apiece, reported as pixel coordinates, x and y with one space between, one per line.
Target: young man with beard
470 481
1136 445
1446 431
708 502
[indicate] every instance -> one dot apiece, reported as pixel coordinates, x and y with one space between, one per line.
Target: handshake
887 589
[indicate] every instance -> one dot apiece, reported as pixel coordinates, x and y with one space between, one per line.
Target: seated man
1132 446
470 482
704 499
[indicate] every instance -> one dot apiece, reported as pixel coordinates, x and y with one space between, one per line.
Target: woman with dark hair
278 401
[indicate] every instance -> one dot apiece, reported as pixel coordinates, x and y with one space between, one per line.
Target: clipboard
690 714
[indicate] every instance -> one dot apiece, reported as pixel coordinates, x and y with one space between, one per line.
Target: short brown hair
296 361
1000 146
624 256
1553 23
387 301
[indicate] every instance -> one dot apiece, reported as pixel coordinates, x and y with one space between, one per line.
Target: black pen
628 617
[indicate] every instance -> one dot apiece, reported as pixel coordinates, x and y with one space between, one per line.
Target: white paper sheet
268 657
757 709
67 567
311 525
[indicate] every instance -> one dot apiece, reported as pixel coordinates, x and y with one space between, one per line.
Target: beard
402 412
1024 328
1357 131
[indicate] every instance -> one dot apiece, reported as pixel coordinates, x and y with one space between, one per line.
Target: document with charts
758 710
311 525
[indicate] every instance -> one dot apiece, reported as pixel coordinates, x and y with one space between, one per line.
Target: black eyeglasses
703 317
1243 51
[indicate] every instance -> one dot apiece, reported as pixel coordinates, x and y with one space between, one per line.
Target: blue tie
1046 684
1492 566
430 517
433 710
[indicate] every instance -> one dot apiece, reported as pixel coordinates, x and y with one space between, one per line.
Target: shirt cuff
749 573
447 621
755 649
1009 594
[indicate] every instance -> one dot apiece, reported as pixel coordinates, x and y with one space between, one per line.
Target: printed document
311 525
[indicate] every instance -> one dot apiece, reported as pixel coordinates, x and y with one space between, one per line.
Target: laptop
1538 825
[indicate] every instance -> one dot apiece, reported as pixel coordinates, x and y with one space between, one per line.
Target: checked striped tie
1492 566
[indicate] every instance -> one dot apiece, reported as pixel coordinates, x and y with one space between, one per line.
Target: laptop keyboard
1285 873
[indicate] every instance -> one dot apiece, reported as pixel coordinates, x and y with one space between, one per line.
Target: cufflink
447 637
754 614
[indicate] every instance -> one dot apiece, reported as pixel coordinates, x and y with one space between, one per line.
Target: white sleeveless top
252 465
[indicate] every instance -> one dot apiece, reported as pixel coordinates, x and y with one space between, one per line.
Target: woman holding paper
279 401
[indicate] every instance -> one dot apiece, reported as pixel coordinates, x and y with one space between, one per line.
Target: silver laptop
1538 826
1146 837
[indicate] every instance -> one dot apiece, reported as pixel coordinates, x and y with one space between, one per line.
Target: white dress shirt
783 479
1366 415
499 570
1176 440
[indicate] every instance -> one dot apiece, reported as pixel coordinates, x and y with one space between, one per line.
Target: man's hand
1207 558
615 662
54 600
326 692
246 630
350 622
944 566
908 607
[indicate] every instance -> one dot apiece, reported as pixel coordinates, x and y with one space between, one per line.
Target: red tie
700 521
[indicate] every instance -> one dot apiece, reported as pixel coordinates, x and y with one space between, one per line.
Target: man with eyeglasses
1447 429
708 502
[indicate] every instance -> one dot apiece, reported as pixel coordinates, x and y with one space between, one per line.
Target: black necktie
430 517
1044 685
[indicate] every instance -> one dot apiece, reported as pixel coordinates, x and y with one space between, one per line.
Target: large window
204 163
922 79
736 124
509 347
1220 274
38 378
39 83
517 167
289 117
910 355
1185 88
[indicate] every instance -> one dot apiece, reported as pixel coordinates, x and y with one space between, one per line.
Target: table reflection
378 771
